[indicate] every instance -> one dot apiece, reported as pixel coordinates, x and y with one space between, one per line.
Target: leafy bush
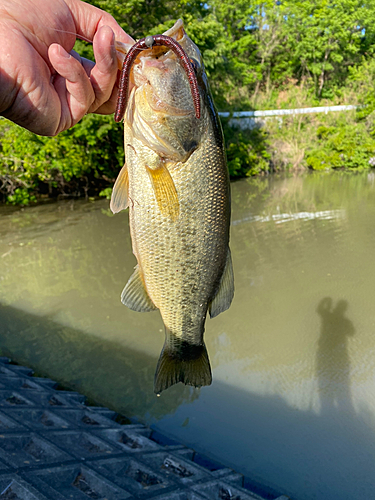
350 146
79 161
247 150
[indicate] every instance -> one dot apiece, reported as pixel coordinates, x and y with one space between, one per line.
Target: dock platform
55 447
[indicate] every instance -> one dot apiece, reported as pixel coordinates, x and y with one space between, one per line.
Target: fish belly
181 260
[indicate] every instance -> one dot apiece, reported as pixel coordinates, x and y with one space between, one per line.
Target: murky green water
292 404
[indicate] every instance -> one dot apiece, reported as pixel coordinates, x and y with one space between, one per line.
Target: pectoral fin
165 191
119 198
135 295
224 296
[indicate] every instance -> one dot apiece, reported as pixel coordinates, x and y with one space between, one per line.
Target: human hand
44 85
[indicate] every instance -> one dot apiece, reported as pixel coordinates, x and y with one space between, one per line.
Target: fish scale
179 255
179 211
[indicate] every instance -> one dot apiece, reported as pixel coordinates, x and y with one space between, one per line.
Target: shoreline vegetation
258 56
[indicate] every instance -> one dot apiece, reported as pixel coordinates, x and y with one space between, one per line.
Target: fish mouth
177 32
141 50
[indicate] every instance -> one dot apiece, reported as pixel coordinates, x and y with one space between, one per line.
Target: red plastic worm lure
147 43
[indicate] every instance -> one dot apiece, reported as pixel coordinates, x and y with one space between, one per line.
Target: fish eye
194 64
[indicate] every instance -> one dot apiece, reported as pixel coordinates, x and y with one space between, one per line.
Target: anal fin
165 191
119 198
224 295
135 295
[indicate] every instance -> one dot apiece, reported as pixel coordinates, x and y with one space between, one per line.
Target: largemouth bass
176 184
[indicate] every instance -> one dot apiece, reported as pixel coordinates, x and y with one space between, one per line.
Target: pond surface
292 404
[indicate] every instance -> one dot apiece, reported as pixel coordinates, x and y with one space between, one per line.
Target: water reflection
332 361
287 375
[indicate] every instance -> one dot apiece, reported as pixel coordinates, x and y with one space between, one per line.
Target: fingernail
64 53
113 49
108 28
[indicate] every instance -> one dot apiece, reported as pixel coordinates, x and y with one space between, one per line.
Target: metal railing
281 112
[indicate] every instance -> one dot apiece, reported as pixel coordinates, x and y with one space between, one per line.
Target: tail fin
182 362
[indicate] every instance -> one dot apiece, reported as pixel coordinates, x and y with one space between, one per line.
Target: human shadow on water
332 358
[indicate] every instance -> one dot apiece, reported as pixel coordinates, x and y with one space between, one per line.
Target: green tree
330 38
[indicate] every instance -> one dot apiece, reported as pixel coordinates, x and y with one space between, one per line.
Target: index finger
88 19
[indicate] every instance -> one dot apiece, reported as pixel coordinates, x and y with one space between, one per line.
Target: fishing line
80 37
